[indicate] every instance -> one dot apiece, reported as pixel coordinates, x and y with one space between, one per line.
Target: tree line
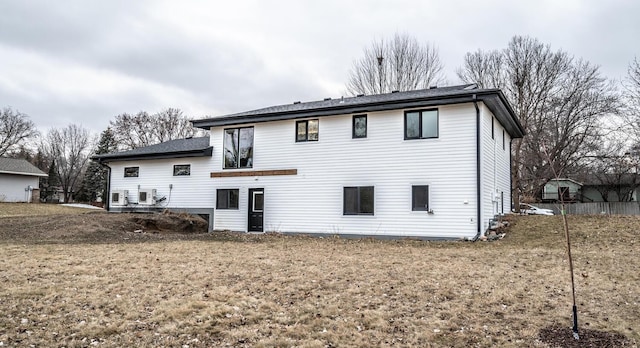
64 153
579 123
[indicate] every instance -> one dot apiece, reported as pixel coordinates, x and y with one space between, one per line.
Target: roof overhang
493 99
207 152
22 173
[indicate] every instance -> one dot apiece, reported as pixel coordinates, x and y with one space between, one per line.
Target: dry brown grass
265 291
31 209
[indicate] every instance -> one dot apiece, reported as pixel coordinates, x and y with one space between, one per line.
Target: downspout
478 189
107 203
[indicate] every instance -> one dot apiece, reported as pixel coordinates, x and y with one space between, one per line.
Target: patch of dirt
101 227
560 336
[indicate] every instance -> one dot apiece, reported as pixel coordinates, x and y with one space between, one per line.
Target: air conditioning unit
147 196
119 197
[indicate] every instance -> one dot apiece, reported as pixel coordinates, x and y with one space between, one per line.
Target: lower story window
420 198
227 198
358 200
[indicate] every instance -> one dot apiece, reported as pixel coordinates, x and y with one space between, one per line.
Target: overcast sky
85 62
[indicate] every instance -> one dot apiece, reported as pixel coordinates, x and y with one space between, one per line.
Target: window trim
427 208
420 111
224 161
137 169
306 132
359 209
182 165
228 200
353 126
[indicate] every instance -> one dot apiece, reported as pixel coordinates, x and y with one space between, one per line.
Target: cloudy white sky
84 62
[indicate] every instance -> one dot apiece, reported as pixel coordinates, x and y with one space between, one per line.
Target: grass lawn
270 290
30 209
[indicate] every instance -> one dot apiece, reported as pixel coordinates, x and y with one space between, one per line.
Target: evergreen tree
94 183
49 185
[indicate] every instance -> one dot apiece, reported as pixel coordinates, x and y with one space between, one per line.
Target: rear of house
428 164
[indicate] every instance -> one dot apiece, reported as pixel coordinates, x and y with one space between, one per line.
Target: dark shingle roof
189 147
19 166
493 98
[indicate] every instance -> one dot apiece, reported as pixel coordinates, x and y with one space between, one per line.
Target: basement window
307 130
358 200
131 172
227 198
420 198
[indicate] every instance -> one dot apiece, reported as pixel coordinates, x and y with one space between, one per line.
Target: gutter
478 188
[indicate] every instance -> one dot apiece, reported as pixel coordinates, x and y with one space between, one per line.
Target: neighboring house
431 163
566 189
19 180
594 188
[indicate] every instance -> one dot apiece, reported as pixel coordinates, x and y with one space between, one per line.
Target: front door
256 210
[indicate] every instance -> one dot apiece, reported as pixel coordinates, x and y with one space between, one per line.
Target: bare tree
399 64
142 129
15 129
69 148
631 98
559 101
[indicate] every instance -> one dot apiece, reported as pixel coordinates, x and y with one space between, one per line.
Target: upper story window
181 170
358 200
131 172
238 148
359 126
421 124
503 139
307 130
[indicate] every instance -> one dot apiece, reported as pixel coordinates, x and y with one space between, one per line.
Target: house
19 180
565 189
601 187
429 164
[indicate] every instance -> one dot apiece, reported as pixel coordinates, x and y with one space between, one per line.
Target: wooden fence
596 208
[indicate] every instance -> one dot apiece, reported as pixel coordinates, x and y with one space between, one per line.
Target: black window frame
177 173
359 204
419 206
353 126
224 196
137 172
238 160
503 139
420 112
306 134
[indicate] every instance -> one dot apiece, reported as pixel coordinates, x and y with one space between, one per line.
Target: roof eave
490 97
23 173
207 152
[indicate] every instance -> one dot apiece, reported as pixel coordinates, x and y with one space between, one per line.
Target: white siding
15 188
193 191
495 168
312 200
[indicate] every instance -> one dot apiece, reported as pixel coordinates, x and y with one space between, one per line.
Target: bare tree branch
15 129
400 64
559 100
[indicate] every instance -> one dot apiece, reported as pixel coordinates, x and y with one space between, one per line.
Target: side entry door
256 210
